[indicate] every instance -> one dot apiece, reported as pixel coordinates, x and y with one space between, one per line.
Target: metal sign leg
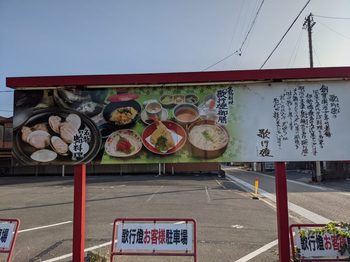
282 212
79 213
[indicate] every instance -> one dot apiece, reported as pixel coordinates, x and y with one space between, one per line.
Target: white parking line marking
258 251
36 228
59 258
150 198
268 203
220 184
85 250
315 218
117 186
97 196
207 193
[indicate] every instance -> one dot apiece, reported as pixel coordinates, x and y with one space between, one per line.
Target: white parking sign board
151 236
6 235
8 232
154 237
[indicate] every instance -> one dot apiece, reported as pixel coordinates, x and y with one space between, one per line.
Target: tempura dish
164 137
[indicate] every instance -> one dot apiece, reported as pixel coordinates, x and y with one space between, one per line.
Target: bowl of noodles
207 138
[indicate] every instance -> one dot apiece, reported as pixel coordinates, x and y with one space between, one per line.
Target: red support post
282 212
79 213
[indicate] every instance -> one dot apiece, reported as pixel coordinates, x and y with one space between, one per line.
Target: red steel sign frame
10 251
154 253
309 259
41 82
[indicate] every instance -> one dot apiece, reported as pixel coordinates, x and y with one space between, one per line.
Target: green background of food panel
183 155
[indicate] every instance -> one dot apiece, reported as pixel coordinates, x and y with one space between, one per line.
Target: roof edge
179 77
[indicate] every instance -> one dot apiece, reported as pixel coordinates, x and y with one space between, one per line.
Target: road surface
231 225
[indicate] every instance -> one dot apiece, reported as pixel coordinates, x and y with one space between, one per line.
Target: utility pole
309 24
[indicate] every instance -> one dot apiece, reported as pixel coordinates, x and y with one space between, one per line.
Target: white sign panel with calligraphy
294 121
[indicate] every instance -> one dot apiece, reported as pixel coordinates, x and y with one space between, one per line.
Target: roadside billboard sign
238 122
315 242
8 234
154 236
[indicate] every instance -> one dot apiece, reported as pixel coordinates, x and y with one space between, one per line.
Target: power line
318 21
6 91
267 59
252 17
332 17
2 110
239 51
318 60
246 45
223 59
295 49
251 26
238 18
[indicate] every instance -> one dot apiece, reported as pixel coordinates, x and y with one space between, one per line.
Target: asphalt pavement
231 225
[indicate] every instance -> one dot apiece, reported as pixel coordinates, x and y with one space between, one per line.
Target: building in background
5 145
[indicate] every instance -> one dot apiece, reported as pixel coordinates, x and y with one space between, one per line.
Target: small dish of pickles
176 99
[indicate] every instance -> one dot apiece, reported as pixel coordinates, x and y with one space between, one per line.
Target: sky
81 37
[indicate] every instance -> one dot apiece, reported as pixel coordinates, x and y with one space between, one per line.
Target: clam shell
59 146
55 122
41 126
25 133
67 132
74 120
44 155
39 139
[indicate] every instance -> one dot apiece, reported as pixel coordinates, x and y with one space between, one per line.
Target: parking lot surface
230 223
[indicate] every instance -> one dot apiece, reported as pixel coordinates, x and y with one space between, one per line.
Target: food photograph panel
69 125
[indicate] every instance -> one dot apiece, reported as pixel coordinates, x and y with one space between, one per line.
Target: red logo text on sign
154 236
